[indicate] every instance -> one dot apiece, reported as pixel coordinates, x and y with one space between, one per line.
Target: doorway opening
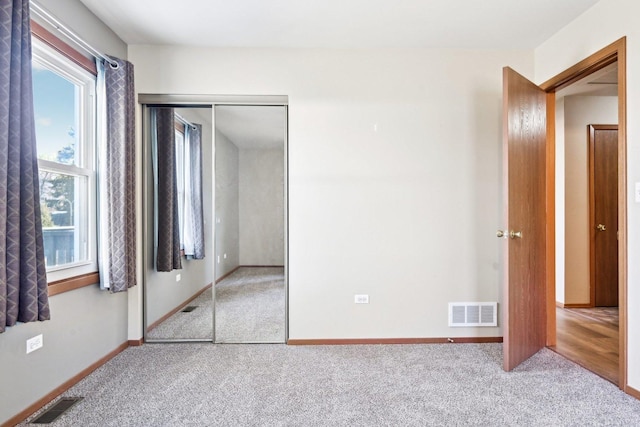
586 213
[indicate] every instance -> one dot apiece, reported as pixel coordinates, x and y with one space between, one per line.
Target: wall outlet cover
34 343
361 299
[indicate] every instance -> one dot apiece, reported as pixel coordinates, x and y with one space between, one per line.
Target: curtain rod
55 22
185 121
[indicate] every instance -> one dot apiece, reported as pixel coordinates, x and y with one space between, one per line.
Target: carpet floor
367 385
250 306
196 324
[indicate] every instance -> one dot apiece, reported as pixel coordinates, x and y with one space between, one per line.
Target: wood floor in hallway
589 337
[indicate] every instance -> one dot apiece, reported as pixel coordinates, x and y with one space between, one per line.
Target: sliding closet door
178 224
250 165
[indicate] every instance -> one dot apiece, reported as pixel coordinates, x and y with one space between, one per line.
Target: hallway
589 337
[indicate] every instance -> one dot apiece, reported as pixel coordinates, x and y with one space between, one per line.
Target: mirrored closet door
224 280
179 235
250 168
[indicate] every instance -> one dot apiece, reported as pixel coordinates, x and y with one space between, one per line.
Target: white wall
86 324
227 205
580 111
262 206
394 176
605 22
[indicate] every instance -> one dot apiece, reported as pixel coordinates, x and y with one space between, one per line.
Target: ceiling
484 24
252 127
603 82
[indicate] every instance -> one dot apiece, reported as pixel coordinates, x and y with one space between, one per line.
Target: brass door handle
509 234
601 227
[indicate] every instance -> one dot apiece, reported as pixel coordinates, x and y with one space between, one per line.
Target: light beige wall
605 22
394 176
261 206
227 206
580 111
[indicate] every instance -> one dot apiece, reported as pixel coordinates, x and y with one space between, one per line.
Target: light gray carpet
197 324
250 306
366 385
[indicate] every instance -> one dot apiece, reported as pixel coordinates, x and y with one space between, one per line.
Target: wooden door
603 214
524 127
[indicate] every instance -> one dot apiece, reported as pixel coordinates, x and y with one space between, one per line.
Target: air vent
473 314
189 308
52 414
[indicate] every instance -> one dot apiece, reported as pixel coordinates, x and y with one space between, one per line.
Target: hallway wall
580 111
261 207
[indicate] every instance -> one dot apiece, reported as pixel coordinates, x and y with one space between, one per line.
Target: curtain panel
167 225
23 278
117 162
194 246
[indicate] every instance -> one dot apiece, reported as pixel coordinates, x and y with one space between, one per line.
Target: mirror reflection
218 265
250 224
179 184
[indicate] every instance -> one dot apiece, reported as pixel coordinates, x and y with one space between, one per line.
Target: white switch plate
34 343
218 259
637 192
178 277
361 299
225 256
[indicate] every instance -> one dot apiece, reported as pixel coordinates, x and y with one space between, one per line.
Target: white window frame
85 153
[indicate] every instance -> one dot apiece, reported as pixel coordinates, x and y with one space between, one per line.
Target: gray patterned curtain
118 162
23 277
194 139
167 220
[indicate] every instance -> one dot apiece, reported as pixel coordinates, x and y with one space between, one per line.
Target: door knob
601 227
506 234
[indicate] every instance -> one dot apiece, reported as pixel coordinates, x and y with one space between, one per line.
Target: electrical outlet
178 277
225 256
361 299
34 343
218 259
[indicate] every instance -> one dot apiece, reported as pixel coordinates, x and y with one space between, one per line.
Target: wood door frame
615 52
591 137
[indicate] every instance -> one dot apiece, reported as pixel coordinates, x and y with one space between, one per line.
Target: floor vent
473 314
52 414
189 308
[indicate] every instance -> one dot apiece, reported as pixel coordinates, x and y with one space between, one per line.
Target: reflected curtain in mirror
193 225
23 279
167 225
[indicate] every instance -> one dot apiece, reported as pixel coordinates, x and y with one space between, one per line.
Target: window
180 178
64 105
186 178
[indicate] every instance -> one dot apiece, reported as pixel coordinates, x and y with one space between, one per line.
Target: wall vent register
473 314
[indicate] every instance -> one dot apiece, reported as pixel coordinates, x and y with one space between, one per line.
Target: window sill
71 283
